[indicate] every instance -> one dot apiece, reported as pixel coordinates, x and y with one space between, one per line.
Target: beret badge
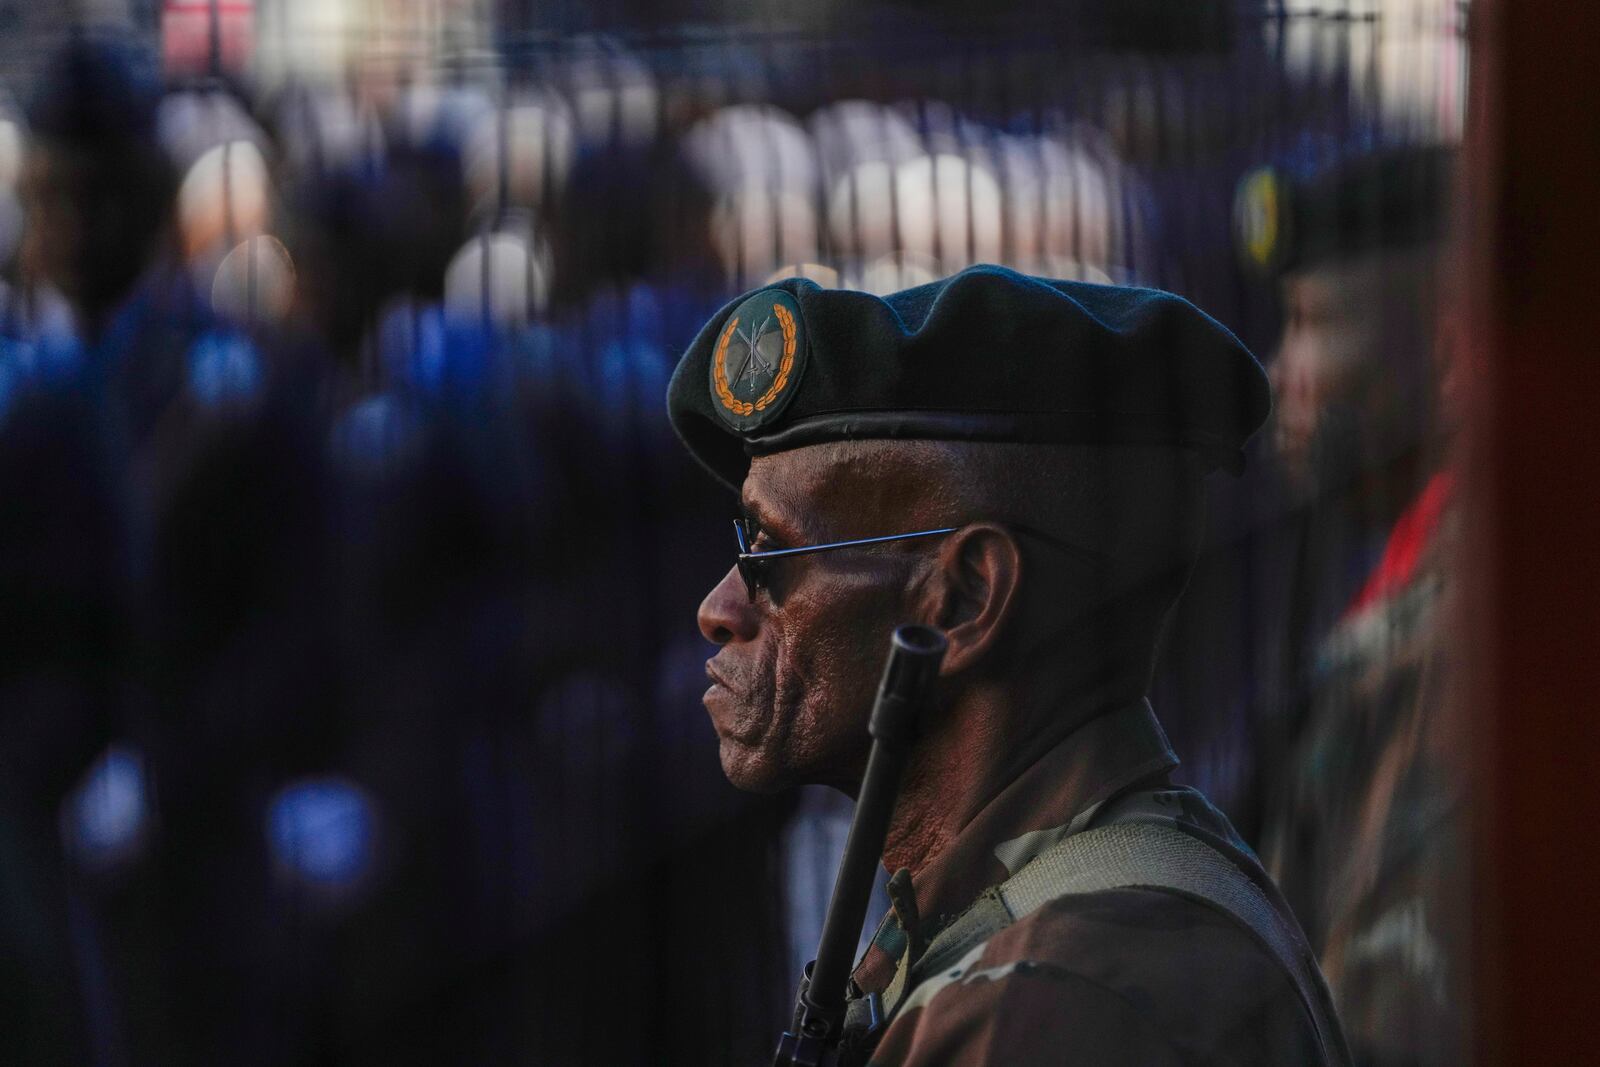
1260 215
759 356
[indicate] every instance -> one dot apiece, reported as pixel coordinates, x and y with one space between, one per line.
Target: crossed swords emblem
754 360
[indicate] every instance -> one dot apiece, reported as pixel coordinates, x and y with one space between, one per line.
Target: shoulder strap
1142 854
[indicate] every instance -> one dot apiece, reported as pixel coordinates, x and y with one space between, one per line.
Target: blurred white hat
1406 60
224 198
500 278
942 209
529 144
851 132
254 282
752 146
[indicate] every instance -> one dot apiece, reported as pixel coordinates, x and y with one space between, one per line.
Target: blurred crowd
348 673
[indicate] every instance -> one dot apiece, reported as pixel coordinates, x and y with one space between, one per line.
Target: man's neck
974 751
951 774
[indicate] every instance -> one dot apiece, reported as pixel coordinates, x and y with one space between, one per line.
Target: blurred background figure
760 165
1368 835
349 678
99 195
96 191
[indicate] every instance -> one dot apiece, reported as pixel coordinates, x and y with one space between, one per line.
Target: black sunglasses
754 567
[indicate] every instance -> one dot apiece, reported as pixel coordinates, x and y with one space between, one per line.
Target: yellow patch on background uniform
1259 217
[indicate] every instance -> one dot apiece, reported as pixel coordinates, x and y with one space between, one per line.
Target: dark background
351 683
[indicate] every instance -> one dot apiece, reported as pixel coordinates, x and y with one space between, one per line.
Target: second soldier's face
793 679
1353 368
1323 359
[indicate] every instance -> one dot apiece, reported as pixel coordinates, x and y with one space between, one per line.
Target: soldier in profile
1018 463
1368 837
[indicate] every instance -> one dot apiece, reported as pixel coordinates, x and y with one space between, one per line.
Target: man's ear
973 592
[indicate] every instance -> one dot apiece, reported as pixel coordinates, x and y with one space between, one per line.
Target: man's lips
717 679
727 706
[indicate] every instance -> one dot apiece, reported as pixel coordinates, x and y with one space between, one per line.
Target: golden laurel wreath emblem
780 381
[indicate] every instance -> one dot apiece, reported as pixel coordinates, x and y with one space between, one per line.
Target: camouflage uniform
1369 844
1135 975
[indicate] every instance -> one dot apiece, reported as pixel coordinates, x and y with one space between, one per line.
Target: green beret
984 355
1397 197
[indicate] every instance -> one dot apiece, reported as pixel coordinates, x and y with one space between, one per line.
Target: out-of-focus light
254 282
949 211
1061 207
896 271
753 230
13 150
1074 270
940 209
423 352
851 132
12 220
397 41
823 275
533 139
309 40
106 820
224 368
861 217
322 833
224 197
761 164
1406 60
412 346
41 314
376 435
13 146
500 279
187 39
753 147
39 346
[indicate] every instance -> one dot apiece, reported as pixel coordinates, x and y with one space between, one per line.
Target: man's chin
752 770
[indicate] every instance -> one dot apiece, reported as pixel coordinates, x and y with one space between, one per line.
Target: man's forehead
789 485
842 479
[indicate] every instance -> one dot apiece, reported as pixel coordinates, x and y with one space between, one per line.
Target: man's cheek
783 685
799 693
830 690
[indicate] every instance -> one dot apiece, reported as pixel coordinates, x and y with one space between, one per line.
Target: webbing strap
987 916
1135 855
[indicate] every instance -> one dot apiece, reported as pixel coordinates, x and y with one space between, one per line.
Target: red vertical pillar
1533 327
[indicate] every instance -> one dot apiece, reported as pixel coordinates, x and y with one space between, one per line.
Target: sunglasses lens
747 568
752 582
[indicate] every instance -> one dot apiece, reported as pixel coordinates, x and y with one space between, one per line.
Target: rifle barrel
915 653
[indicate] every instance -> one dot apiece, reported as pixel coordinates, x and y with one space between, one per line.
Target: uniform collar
1054 797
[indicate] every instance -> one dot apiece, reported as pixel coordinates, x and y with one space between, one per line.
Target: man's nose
726 613
1294 379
